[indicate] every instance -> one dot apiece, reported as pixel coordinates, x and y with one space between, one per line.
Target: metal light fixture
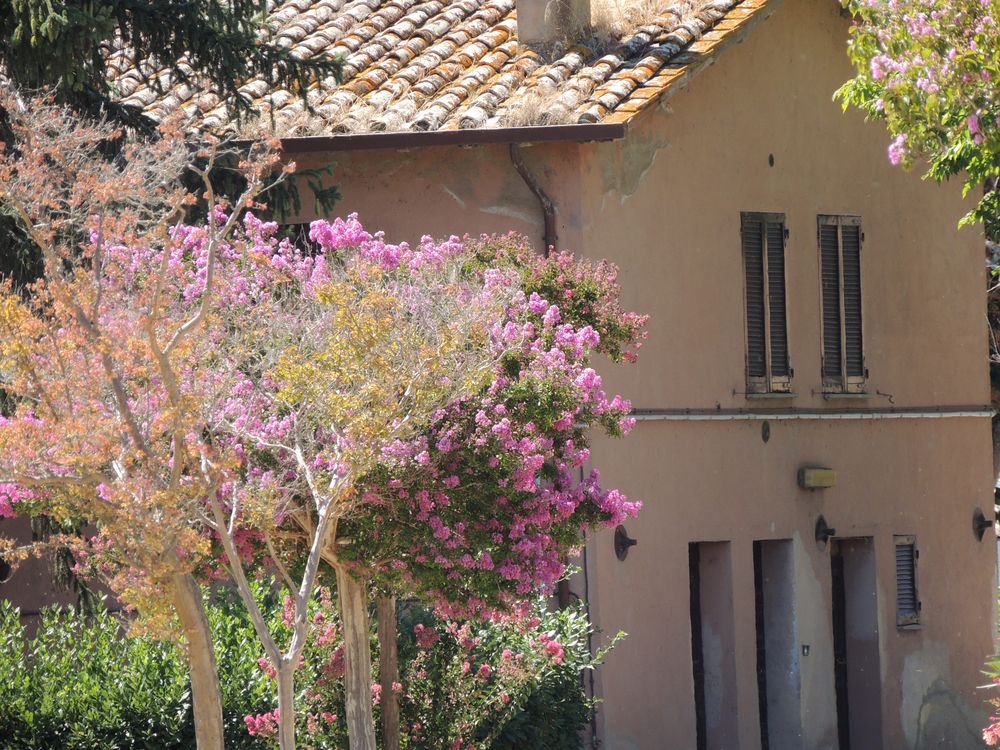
980 523
623 542
823 531
5 571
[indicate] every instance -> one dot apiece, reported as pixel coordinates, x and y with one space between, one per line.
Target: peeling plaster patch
921 669
511 213
946 723
454 195
624 169
401 161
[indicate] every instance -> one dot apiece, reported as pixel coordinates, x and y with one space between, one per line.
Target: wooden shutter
843 362
763 240
829 255
776 299
853 352
752 232
907 602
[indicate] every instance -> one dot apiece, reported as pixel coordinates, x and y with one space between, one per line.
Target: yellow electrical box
817 477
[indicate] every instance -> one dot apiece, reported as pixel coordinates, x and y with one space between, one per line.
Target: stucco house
813 445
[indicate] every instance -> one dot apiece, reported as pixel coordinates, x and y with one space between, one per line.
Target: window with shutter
763 239
843 363
907 602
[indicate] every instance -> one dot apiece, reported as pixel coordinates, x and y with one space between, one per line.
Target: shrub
475 684
557 710
80 683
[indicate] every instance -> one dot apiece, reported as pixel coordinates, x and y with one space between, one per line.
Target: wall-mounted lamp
816 477
622 542
823 531
980 523
5 571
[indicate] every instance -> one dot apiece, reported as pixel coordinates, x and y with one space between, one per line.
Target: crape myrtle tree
98 360
416 415
479 513
330 358
472 507
930 70
179 384
211 397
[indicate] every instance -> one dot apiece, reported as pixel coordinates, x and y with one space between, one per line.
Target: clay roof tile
446 64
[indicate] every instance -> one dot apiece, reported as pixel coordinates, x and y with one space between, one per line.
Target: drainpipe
548 207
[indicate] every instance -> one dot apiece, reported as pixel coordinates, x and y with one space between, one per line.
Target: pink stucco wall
665 205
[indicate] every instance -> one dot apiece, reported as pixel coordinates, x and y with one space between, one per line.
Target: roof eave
578 133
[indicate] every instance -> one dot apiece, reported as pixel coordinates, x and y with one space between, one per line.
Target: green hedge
80 684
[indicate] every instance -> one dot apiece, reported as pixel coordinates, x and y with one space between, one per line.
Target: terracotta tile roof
453 64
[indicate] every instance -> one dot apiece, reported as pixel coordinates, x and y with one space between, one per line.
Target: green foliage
487 685
445 699
557 710
245 690
80 683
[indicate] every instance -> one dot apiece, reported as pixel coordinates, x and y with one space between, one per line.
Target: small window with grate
907 601
843 360
763 238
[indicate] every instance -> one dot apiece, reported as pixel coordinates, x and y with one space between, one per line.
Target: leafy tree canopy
931 70
64 45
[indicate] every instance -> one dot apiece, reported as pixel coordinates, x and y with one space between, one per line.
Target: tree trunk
206 695
286 706
353 596
388 670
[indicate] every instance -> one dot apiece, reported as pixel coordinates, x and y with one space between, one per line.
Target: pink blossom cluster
12 495
933 65
991 734
262 725
425 637
552 647
479 512
266 724
340 235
